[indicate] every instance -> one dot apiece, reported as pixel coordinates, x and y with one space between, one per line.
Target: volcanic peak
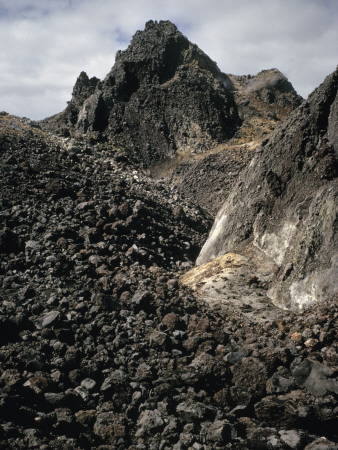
162 94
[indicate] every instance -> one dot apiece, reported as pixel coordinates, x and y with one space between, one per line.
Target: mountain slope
285 203
164 100
102 346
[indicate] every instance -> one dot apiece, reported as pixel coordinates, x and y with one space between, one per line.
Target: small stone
199 323
54 398
220 431
143 372
194 411
297 337
82 392
37 383
291 438
197 446
158 339
32 245
86 417
55 375
237 356
88 384
311 342
170 320
149 421
46 319
64 416
278 384
140 300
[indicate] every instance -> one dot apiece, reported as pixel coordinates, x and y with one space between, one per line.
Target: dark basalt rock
263 101
271 86
285 203
162 94
100 345
84 88
164 103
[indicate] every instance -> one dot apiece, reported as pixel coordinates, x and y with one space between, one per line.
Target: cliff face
285 203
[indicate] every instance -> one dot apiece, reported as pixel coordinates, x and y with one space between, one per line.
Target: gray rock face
46 319
285 203
315 377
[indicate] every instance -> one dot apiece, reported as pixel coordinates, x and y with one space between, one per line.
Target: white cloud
46 44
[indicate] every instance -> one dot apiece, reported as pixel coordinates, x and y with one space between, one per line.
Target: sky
45 44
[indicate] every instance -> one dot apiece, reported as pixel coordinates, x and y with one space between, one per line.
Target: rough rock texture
235 280
101 346
163 93
263 101
166 104
208 178
285 203
270 87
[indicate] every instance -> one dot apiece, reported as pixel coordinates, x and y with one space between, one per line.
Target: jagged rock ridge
263 101
164 96
162 93
168 107
285 203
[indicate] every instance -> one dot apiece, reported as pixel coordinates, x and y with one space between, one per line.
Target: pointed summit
164 97
163 94
160 49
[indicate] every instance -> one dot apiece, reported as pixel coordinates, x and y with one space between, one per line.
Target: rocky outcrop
271 87
84 88
163 93
102 345
285 203
167 105
263 102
